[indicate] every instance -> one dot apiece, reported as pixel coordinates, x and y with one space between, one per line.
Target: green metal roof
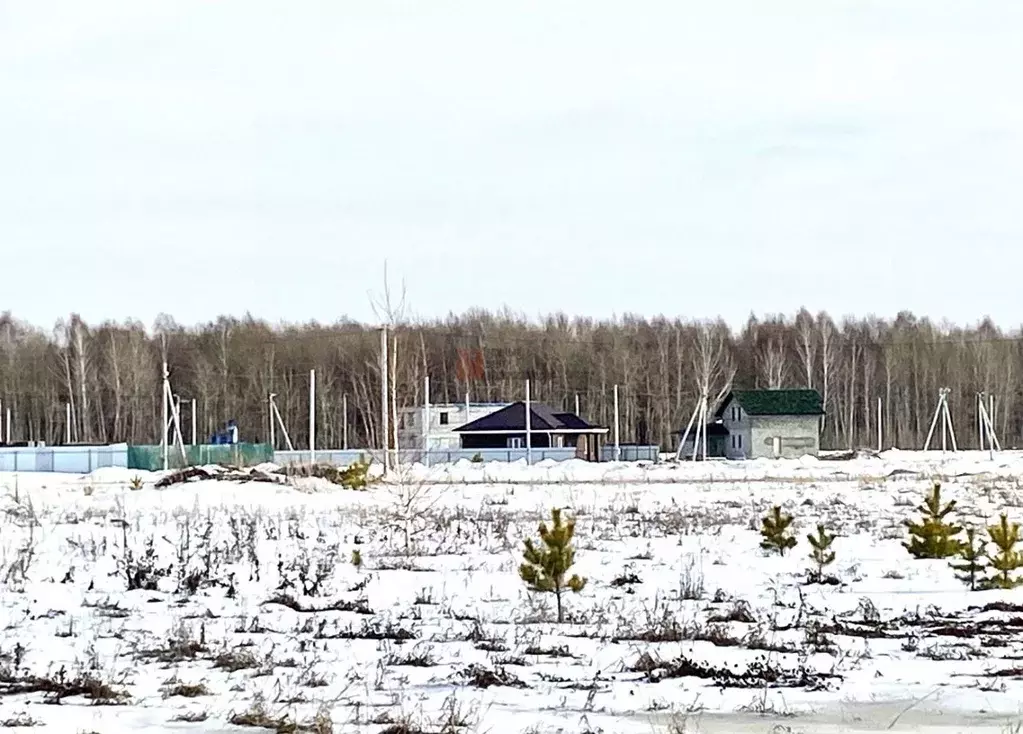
776 402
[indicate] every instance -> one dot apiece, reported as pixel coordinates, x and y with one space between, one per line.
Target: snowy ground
246 600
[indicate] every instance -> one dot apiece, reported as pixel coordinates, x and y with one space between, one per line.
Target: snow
440 548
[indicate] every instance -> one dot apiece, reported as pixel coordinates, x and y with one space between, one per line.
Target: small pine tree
547 565
355 475
356 559
775 531
821 555
933 537
972 566
1005 538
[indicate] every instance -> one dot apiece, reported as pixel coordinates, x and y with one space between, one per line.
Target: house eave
785 415
507 431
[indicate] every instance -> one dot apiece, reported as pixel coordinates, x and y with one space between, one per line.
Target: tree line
110 374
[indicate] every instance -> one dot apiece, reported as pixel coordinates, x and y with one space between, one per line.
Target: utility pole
426 420
880 443
312 416
273 418
529 436
618 450
163 422
385 423
344 419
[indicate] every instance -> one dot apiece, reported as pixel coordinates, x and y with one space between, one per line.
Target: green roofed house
771 423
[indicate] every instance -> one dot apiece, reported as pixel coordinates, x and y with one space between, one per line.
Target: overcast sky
202 157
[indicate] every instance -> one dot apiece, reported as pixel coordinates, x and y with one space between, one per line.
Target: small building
771 423
414 433
717 441
506 429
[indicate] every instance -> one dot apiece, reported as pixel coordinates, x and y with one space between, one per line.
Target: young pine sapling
971 568
546 565
1005 537
934 536
775 531
821 553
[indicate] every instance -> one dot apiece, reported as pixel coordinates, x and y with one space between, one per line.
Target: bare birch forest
110 373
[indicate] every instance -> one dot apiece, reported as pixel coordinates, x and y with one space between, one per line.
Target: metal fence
68 459
411 456
336 457
150 458
85 459
448 456
631 453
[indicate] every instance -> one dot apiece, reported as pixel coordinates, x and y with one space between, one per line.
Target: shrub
354 476
971 555
1005 538
477 458
821 555
545 566
775 531
933 536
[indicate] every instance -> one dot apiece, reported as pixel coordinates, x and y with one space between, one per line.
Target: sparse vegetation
63 684
19 721
353 476
269 597
186 690
257 716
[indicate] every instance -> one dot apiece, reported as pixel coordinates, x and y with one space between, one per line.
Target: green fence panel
150 458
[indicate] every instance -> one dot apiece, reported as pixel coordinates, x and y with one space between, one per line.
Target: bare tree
806 345
110 374
713 367
828 336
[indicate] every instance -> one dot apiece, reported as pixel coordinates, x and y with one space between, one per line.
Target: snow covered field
245 604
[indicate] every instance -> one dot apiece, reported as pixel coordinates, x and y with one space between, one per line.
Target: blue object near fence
228 436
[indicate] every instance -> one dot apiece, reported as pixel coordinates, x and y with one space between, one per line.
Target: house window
515 442
735 413
443 419
739 436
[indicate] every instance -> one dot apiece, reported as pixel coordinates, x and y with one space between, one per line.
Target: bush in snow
1005 537
355 475
933 536
546 566
821 553
775 531
971 555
